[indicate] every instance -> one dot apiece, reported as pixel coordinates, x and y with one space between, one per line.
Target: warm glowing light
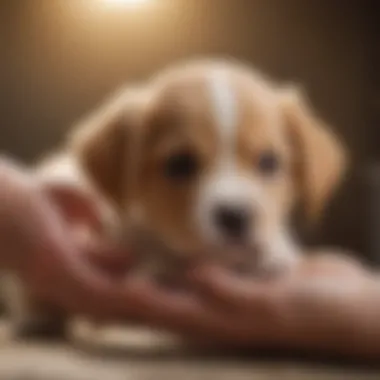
126 2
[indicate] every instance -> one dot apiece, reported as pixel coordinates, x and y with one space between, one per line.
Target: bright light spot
126 2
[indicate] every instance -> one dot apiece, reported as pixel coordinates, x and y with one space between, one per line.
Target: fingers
182 312
22 214
152 299
10 170
51 255
110 259
85 219
141 298
72 266
74 204
233 291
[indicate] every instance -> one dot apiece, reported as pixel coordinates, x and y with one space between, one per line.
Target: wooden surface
148 356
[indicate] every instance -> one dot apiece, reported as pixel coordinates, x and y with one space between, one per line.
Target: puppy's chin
272 257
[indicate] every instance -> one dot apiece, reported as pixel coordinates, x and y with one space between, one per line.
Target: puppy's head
214 155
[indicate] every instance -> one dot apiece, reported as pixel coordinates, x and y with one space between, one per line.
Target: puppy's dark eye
268 163
181 166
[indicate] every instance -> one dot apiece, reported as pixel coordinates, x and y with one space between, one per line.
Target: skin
328 304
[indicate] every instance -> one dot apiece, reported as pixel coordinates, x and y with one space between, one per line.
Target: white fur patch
225 185
224 107
267 244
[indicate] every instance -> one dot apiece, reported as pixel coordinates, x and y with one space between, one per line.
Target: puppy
207 161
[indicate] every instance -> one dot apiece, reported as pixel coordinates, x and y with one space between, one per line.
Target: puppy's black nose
232 221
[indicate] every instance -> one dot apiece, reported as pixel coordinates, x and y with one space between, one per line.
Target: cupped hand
329 304
40 241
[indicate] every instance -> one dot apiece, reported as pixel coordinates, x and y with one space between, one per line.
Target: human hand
43 241
329 304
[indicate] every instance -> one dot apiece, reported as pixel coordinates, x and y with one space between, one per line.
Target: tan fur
321 158
123 148
103 143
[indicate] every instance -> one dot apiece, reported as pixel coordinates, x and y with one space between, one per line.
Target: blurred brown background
60 58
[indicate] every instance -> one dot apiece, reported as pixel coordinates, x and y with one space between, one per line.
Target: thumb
74 203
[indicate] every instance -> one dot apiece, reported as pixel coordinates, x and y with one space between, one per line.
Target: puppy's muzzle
233 221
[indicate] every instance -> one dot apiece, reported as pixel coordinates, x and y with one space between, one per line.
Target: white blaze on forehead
225 185
224 107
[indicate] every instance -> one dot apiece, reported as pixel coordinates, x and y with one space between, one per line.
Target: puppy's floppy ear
103 143
319 157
